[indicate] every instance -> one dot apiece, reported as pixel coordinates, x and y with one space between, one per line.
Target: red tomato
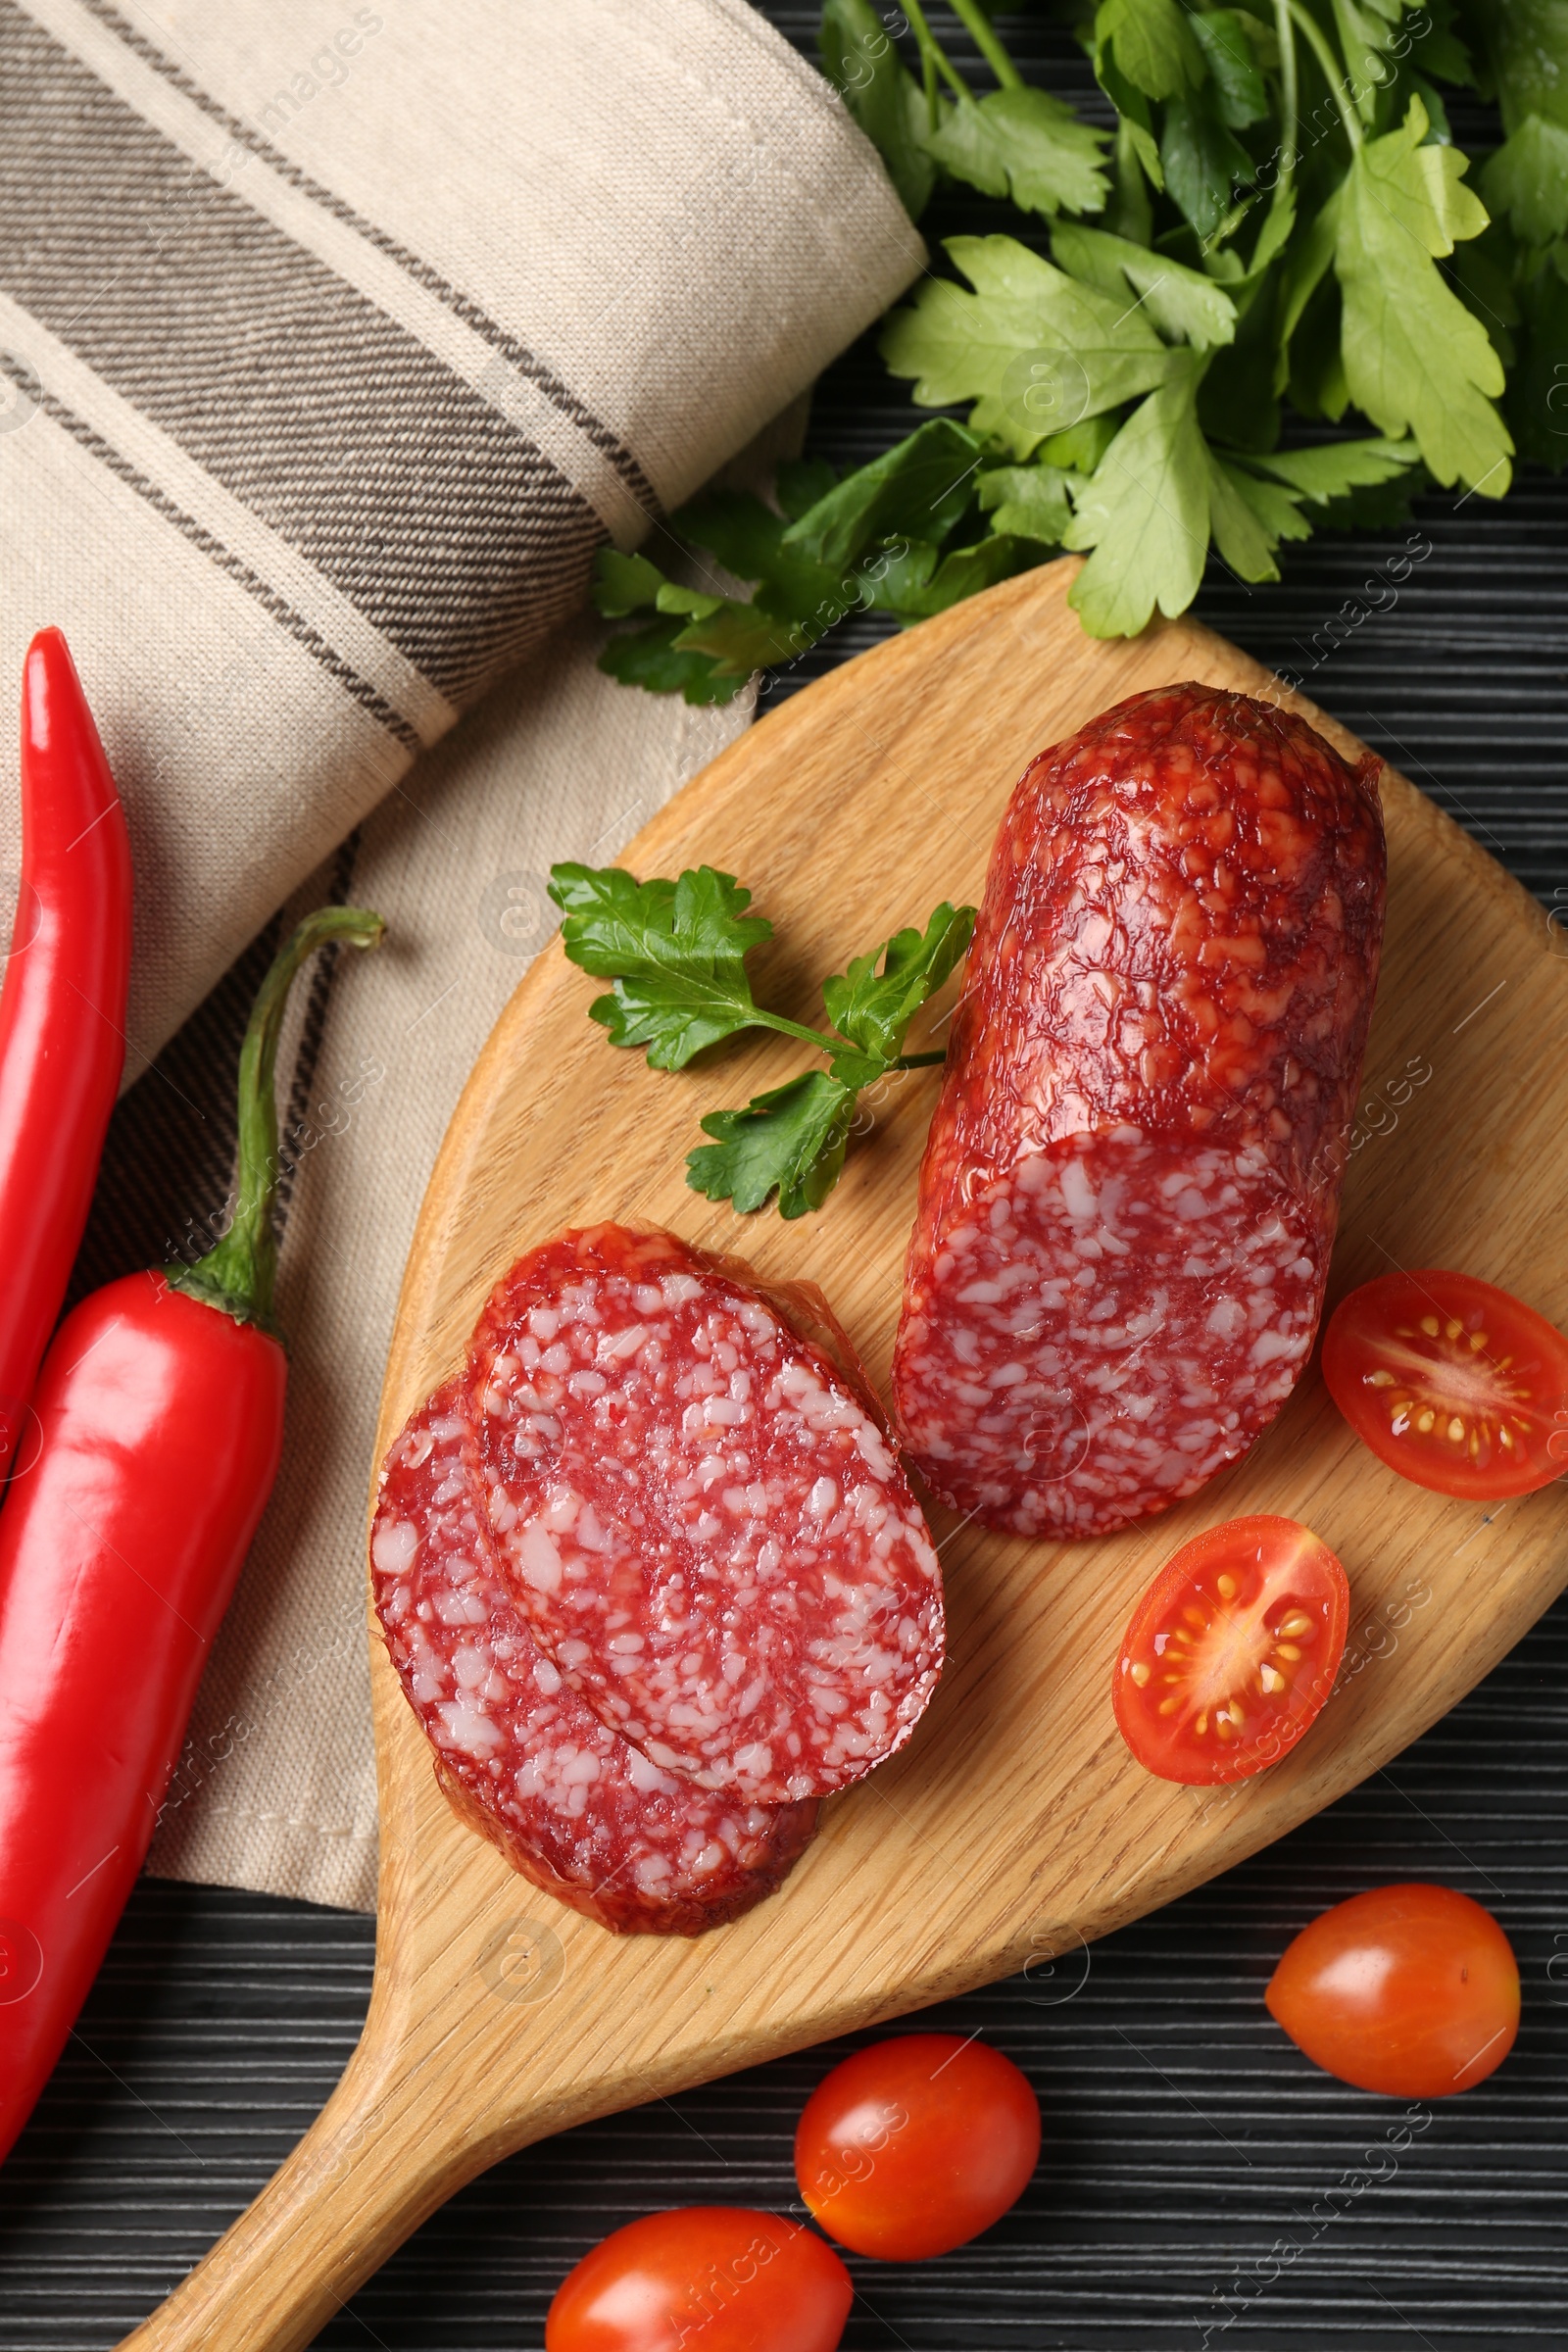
1409 1990
1451 1383
710 2275
1232 1650
918 2145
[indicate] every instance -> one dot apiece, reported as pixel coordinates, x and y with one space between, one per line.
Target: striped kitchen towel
334 341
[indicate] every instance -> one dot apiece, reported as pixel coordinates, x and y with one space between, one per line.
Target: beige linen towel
276 1786
333 341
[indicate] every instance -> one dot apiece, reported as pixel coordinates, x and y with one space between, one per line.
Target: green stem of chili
239 1274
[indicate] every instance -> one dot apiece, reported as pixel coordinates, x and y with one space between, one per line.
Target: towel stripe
281 610
526 362
440 521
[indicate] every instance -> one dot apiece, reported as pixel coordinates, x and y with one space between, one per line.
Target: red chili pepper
160 1421
61 1012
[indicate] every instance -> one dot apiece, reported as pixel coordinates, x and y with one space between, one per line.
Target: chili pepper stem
238 1276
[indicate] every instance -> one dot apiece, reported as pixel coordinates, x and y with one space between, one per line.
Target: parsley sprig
1279 230
674 954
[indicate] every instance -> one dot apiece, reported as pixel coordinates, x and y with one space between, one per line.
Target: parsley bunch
1278 226
674 954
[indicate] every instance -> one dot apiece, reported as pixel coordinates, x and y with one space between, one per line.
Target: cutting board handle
375 2164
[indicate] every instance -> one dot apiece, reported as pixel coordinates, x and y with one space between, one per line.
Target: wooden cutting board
1014 1826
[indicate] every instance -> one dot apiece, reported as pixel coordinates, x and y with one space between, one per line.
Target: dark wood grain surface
1202 2185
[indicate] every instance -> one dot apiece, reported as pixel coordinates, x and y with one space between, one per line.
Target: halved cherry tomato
1453 1383
1232 1650
918 2145
1408 1991
713 2275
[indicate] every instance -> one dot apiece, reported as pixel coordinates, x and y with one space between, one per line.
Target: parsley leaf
1249 518
790 1140
676 955
1186 306
653 659
964 573
1025 144
674 951
1377 506
921 488
897 579
1153 43
1030 501
1366 34
738 638
873 1006
1081 447
1282 215
1416 360
750 540
1032 348
1279 226
1526 42
1137 148
1145 512
1528 180
1228 41
799 483
1540 391
1444 53
1304 269
1204 163
1330 469
625 584
707 647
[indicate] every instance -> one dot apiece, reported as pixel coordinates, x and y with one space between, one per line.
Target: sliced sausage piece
1130 1190
520 1758
703 1516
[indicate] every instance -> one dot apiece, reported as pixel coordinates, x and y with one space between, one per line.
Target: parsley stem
1317 42
1290 106
933 56
986 41
761 1018
764 1019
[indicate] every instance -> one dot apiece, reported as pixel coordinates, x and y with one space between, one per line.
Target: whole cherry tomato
1454 1384
916 2145
713 2277
1232 1650
1409 1990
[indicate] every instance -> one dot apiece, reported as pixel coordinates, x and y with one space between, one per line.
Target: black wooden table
1191 2153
